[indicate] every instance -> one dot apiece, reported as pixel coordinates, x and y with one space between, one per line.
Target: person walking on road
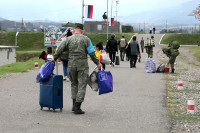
122 45
150 45
134 51
78 46
64 59
142 44
112 48
154 30
99 50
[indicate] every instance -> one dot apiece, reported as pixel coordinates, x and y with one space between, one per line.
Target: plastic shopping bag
45 72
92 81
105 81
105 59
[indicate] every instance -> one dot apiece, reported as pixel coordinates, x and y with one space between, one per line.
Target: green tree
127 28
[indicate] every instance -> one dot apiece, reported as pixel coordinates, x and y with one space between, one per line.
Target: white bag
104 58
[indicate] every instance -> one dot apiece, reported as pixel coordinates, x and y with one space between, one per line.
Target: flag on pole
112 22
89 11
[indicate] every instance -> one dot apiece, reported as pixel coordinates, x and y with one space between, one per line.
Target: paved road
137 104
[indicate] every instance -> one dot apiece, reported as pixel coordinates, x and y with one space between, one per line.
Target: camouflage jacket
76 45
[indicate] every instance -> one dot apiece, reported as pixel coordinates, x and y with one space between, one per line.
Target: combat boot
78 108
172 71
73 107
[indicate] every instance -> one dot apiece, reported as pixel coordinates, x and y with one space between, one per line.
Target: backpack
122 43
160 68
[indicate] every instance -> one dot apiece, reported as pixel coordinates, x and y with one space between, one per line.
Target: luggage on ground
51 93
150 65
161 68
166 70
105 81
117 62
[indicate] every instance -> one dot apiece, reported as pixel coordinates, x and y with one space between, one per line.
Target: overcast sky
71 10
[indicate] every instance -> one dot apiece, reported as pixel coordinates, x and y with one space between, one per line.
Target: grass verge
183 39
20 66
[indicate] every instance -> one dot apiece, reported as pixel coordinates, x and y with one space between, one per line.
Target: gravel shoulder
186 70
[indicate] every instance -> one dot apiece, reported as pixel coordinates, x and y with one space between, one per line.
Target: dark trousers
112 56
104 66
133 60
122 53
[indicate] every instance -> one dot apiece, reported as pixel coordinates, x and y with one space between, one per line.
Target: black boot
74 101
78 108
172 70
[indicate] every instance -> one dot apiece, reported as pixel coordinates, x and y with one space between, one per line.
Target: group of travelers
73 51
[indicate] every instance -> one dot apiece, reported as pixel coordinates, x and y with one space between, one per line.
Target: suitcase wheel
41 108
60 109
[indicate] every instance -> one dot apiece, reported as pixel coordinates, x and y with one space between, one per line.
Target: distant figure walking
134 51
142 44
150 45
111 47
122 45
154 30
150 31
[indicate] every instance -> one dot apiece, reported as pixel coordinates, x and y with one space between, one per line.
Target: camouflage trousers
172 61
78 77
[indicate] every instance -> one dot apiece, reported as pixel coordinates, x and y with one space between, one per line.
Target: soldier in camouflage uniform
149 46
172 52
142 44
77 45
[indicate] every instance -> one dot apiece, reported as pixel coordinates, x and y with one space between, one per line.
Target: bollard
180 85
190 106
36 65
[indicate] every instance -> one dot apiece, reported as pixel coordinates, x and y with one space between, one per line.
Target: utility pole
166 25
107 20
144 26
111 8
117 2
82 11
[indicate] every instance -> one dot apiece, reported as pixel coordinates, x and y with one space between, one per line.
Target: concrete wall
101 27
7 54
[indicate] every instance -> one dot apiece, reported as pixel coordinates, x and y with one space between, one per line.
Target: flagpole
107 20
82 11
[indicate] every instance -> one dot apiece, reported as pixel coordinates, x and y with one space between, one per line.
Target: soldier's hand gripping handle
99 66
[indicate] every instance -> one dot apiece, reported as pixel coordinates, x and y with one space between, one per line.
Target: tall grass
183 39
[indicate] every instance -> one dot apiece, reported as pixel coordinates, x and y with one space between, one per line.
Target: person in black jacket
112 48
134 52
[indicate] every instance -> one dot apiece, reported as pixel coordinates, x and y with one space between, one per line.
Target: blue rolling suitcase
51 93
